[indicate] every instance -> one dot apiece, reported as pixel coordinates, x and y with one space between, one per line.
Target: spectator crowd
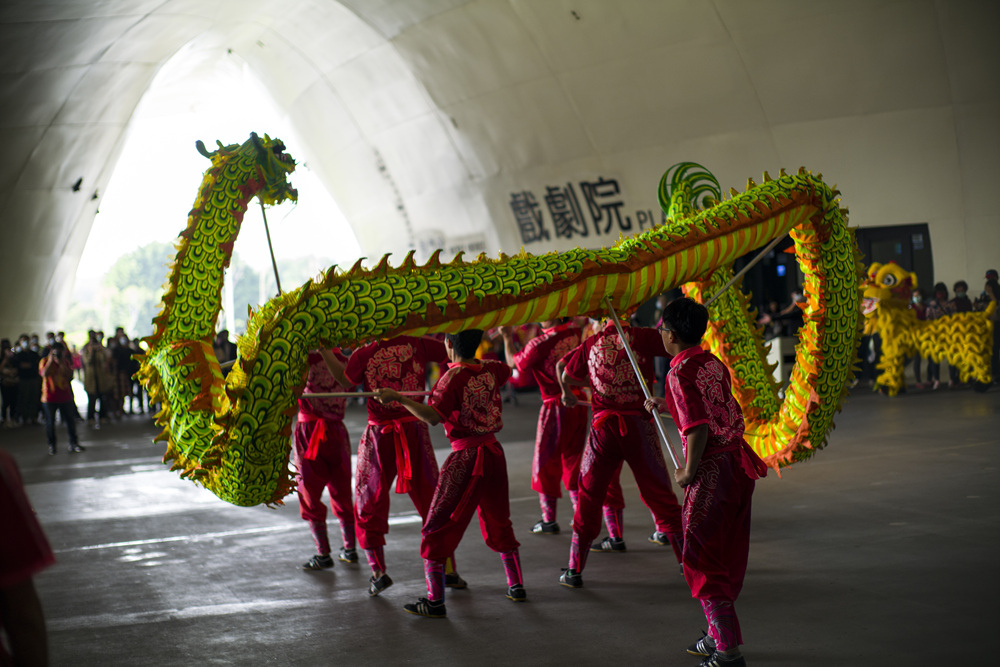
35 373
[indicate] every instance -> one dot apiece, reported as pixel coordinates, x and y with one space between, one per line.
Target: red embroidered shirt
540 355
700 391
398 363
468 398
320 381
602 362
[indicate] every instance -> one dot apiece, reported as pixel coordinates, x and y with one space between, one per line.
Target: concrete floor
882 549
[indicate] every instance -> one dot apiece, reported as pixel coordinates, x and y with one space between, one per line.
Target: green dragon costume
232 436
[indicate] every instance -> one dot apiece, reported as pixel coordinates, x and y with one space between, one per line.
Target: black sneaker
52 450
720 659
609 544
75 449
545 528
455 580
517 593
424 607
377 585
659 538
703 647
348 555
571 578
318 562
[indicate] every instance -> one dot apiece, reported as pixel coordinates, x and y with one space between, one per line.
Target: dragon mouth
868 305
278 150
280 164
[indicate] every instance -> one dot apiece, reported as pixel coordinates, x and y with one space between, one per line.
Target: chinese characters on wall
574 210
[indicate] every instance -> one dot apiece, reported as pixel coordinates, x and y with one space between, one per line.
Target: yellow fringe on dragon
233 437
965 339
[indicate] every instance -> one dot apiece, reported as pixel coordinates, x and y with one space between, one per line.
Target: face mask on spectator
959 295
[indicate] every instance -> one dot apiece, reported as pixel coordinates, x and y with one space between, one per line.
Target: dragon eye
888 280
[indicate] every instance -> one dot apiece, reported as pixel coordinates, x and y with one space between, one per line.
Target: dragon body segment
788 429
234 437
180 369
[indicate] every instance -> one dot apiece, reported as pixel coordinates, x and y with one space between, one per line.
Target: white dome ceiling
424 117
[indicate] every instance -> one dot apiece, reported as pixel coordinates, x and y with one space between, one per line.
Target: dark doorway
773 278
907 245
777 274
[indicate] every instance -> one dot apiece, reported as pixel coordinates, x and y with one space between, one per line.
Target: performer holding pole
474 476
621 431
562 429
643 384
395 444
323 457
355 394
718 478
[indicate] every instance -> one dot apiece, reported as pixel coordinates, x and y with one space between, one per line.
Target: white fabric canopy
425 118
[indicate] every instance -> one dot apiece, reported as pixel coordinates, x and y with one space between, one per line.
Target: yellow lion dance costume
965 339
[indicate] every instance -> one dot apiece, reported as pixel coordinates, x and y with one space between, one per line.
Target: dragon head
887 285
272 163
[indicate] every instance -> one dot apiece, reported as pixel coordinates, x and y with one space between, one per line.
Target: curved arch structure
423 118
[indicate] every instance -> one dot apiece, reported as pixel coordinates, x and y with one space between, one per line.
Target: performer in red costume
562 430
621 431
395 444
718 478
323 457
25 553
467 400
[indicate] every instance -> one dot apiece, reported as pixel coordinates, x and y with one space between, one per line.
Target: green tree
132 288
80 318
247 282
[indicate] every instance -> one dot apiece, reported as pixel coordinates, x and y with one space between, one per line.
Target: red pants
559 444
559 441
717 541
331 469
717 527
632 439
380 453
472 478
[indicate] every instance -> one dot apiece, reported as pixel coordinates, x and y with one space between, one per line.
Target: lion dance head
887 285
